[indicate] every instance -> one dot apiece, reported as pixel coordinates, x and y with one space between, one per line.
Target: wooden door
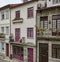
30 54
7 49
43 52
17 34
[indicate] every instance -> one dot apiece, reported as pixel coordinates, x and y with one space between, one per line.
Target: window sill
30 38
55 59
30 17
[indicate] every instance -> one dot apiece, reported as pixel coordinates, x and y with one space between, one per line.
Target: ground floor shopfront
48 51
23 52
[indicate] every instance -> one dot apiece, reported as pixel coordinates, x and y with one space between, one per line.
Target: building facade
51 3
30 31
4 30
48 34
23 31
5 18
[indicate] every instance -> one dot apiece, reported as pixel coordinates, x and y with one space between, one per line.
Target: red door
17 34
30 54
7 49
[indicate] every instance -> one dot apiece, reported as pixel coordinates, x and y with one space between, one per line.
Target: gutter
36 37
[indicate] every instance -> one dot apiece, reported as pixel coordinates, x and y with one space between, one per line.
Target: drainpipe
10 31
36 37
10 21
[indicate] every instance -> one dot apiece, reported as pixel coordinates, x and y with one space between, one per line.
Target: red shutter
30 32
30 12
17 34
17 14
30 54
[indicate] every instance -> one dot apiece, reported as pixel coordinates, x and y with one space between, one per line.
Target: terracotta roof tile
21 4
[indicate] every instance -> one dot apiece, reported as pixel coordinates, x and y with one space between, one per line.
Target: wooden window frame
55 1
29 30
17 14
30 12
56 18
57 48
18 50
44 18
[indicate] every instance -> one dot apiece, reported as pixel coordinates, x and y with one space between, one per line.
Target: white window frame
7 30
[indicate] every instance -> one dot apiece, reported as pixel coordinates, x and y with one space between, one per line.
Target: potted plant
2 35
17 19
40 30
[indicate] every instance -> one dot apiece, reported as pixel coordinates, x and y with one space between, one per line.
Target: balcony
11 38
41 5
48 35
2 36
44 33
17 20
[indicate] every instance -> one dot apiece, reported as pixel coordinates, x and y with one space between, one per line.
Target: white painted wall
27 22
4 23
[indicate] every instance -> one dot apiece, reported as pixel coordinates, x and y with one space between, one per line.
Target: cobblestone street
3 60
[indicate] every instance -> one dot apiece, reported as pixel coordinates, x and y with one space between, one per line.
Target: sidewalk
13 60
7 59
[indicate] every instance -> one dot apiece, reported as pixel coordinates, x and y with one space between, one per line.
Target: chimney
26 1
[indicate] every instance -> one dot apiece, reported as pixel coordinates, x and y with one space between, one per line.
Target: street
3 60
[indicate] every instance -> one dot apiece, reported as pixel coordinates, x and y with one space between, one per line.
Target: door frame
43 46
7 54
33 53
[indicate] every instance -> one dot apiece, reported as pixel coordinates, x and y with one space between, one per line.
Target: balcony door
44 22
17 34
56 25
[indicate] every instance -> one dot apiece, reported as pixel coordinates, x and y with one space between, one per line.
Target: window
56 24
2 29
25 1
18 14
56 51
7 14
56 1
14 49
7 30
17 34
29 32
18 50
30 12
2 44
44 22
2 15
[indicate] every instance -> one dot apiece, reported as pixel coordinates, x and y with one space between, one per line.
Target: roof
21 4
48 8
8 6
16 5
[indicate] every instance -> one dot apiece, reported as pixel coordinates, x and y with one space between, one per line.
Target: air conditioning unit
41 5
22 40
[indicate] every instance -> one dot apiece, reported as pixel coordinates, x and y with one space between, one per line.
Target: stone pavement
7 59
